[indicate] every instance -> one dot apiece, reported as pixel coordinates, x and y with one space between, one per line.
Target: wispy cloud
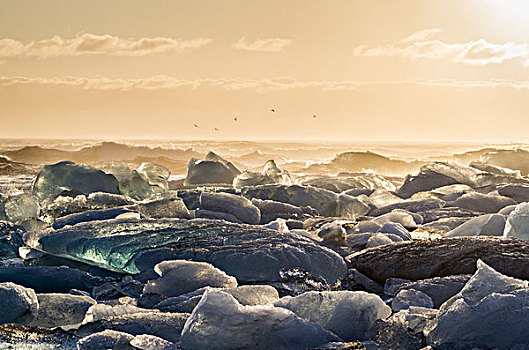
423 45
262 45
94 44
165 82
422 35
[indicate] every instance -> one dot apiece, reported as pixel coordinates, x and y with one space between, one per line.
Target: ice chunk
519 193
179 276
350 207
220 322
63 206
382 197
250 253
367 226
139 184
377 239
484 225
157 175
410 297
39 277
489 311
271 174
349 315
238 206
395 229
483 203
61 310
107 339
70 178
17 304
347 181
484 282
517 224
90 215
253 294
214 169
403 330
21 206
166 205
278 225
101 311
440 289
400 216
272 210
164 325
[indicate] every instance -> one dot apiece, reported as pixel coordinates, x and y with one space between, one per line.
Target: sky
379 70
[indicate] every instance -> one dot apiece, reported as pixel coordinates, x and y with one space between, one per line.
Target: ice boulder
61 310
165 205
484 225
142 183
517 225
483 203
107 339
272 210
491 310
426 180
439 289
251 253
17 304
68 178
213 170
271 174
238 206
21 206
102 311
382 197
395 229
220 322
347 314
180 276
400 216
410 297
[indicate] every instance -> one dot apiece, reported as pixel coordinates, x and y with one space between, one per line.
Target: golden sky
418 70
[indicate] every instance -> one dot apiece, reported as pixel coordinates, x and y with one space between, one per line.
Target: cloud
422 45
93 44
262 45
422 35
165 82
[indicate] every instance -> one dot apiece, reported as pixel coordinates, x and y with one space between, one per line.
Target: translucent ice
220 322
72 179
347 314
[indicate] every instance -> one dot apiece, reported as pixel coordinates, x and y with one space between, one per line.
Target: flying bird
196 126
314 116
235 118
217 129
272 110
